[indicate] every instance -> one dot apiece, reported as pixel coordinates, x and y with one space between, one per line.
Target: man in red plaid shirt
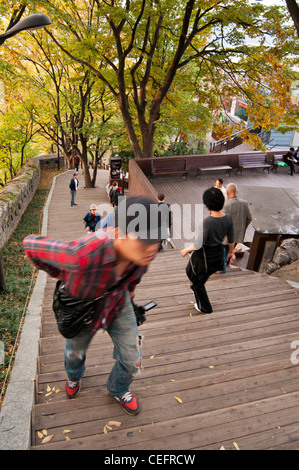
90 266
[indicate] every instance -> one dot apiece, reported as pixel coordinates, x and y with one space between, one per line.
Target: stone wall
18 193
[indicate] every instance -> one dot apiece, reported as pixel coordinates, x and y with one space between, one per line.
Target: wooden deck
224 380
232 370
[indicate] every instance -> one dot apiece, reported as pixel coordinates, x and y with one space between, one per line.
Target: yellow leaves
178 399
109 426
44 436
47 438
51 391
234 444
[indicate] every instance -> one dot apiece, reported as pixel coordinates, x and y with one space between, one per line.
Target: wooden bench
225 168
276 162
170 167
252 160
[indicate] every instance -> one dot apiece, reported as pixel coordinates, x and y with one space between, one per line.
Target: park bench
278 161
170 167
252 160
225 168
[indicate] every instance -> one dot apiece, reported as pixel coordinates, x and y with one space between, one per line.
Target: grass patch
19 273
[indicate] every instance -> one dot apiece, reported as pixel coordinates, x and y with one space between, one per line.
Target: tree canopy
163 67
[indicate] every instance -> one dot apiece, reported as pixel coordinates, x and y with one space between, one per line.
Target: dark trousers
206 264
292 166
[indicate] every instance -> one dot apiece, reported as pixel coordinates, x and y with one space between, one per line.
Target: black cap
142 216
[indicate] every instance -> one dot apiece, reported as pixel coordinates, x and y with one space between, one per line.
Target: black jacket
72 185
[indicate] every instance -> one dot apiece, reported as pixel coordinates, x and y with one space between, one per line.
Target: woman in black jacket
207 250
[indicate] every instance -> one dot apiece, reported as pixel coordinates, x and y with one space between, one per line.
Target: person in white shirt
219 184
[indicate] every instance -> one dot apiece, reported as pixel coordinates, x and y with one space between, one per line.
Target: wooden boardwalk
224 380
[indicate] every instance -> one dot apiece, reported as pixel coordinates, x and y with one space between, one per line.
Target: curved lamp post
34 21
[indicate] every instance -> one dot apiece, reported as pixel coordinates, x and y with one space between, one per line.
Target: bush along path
20 277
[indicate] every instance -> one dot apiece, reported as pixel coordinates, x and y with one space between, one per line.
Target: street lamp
35 21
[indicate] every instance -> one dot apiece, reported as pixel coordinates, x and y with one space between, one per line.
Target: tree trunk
148 133
294 12
124 107
84 160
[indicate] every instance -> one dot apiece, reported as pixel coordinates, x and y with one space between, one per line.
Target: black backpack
115 196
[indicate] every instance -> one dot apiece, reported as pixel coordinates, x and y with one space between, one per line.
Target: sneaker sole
127 410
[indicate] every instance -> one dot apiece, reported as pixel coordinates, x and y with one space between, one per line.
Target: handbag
204 262
73 313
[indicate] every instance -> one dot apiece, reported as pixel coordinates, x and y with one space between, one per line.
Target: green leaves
166 66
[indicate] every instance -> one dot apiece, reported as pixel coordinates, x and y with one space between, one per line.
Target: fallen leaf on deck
66 431
222 448
211 367
107 428
178 399
236 445
114 423
152 357
47 439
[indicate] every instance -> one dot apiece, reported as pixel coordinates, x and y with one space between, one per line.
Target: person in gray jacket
240 213
239 210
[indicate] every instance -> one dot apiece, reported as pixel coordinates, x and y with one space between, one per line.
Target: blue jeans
73 195
127 351
225 253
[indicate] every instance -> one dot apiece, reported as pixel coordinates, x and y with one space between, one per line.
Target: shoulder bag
73 313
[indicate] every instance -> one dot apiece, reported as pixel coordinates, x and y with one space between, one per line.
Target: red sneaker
72 388
129 403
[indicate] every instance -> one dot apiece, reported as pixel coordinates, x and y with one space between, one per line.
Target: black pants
205 262
292 166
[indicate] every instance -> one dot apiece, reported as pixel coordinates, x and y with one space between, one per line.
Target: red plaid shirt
87 267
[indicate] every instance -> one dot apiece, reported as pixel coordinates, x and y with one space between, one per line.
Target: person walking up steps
105 265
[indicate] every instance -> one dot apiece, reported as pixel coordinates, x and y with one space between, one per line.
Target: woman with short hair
207 250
